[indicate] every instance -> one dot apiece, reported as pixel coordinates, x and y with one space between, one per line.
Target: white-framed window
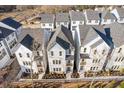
20 55
52 53
85 49
60 53
59 61
53 61
59 69
119 50
28 55
74 22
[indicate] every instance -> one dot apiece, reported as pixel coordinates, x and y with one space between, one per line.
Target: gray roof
92 15
76 16
37 34
107 15
47 18
120 11
4 32
97 43
62 17
62 33
117 33
87 34
69 57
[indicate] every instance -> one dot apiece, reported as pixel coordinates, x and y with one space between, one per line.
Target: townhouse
62 19
119 13
10 39
92 17
11 24
107 18
29 52
77 18
4 55
47 21
60 51
116 59
93 42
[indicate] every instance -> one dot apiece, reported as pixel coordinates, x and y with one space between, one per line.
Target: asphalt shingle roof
47 18
4 32
27 42
11 22
76 16
107 15
62 17
92 15
117 33
120 11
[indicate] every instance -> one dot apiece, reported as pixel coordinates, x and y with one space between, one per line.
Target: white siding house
77 18
93 43
62 19
47 22
60 51
4 55
107 18
116 58
28 59
119 13
92 17
11 24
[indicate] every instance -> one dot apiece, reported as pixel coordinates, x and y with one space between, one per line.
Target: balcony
82 63
69 64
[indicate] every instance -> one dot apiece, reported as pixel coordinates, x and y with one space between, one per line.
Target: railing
83 63
69 64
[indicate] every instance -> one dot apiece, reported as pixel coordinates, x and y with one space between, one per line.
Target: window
81 22
23 63
69 61
81 68
95 51
74 28
68 69
65 23
56 61
50 24
119 50
53 61
99 61
26 70
54 69
105 20
69 51
89 21
38 53
0 44
59 69
103 52
59 61
20 54
43 24
74 22
60 53
96 21
122 59
119 59
52 53
96 68
85 49
91 68
93 60
116 59
28 55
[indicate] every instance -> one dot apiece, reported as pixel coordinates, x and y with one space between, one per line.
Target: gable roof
120 11
27 42
47 18
92 32
62 33
107 15
62 17
62 43
92 15
117 33
76 16
11 22
4 32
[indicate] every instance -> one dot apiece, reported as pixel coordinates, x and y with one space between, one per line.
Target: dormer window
96 21
74 22
43 24
85 49
119 50
52 53
95 51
